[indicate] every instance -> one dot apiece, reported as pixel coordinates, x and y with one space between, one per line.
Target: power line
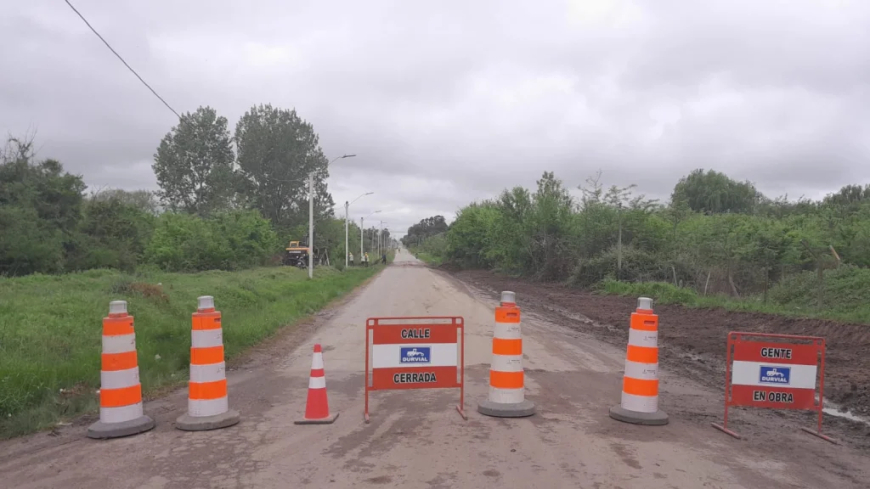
122 59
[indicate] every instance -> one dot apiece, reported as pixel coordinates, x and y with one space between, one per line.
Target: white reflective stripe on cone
640 404
210 407
121 414
119 344
643 371
317 361
638 337
507 363
507 331
317 382
118 379
206 338
208 373
506 396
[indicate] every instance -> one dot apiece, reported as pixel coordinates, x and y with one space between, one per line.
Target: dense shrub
182 242
735 242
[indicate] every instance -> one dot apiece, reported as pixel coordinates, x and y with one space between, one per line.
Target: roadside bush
250 240
185 243
112 234
662 292
637 266
28 244
842 288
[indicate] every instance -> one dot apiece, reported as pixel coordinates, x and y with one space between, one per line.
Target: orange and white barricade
207 403
506 377
775 371
317 404
415 353
640 383
121 411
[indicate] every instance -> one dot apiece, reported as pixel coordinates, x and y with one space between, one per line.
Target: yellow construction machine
296 254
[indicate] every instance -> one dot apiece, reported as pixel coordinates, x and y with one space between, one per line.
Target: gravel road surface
416 439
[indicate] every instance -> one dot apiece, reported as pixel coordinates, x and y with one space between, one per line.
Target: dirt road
417 440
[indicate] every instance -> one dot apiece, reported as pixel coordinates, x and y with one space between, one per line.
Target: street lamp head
369 193
348 156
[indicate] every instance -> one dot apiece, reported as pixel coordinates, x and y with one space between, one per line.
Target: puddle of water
833 410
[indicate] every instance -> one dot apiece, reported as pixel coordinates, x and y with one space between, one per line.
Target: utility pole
619 246
346 217
311 225
346 250
362 233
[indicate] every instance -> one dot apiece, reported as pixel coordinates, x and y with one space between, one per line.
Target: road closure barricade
775 371
415 353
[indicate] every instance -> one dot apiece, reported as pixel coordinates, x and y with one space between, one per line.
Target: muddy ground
693 340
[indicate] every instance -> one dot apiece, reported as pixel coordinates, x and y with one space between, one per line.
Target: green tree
113 233
40 208
194 164
712 192
424 229
277 150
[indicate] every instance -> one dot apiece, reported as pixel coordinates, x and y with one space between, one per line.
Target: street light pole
346 206
380 233
361 233
311 216
311 225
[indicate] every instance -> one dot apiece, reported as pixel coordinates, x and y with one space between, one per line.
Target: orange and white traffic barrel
121 412
506 377
207 403
640 383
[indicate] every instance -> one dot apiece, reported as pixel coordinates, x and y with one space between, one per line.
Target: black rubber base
503 410
657 418
102 431
205 423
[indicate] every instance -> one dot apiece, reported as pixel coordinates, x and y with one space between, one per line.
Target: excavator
297 254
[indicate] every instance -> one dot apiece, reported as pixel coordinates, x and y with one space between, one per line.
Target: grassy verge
428 258
50 329
843 296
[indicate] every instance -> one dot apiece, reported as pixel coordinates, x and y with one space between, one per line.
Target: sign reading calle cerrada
775 371
415 353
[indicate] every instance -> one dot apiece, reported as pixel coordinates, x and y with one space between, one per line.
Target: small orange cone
317 406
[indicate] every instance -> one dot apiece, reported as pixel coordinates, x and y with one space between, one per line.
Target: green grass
50 329
844 296
428 258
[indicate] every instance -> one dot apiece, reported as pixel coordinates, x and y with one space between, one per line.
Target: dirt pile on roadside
693 340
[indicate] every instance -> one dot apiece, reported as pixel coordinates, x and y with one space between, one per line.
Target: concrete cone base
102 431
328 420
205 423
657 418
506 410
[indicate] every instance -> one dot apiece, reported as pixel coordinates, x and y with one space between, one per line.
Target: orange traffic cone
317 406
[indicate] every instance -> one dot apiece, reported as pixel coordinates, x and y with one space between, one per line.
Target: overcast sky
453 101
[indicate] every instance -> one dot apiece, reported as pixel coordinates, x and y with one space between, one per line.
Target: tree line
225 201
715 235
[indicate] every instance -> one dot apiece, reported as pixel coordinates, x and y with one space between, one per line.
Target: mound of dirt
693 339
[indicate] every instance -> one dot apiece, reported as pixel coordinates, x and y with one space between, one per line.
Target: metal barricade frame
796 346
411 330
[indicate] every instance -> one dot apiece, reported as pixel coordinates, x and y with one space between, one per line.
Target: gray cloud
453 101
